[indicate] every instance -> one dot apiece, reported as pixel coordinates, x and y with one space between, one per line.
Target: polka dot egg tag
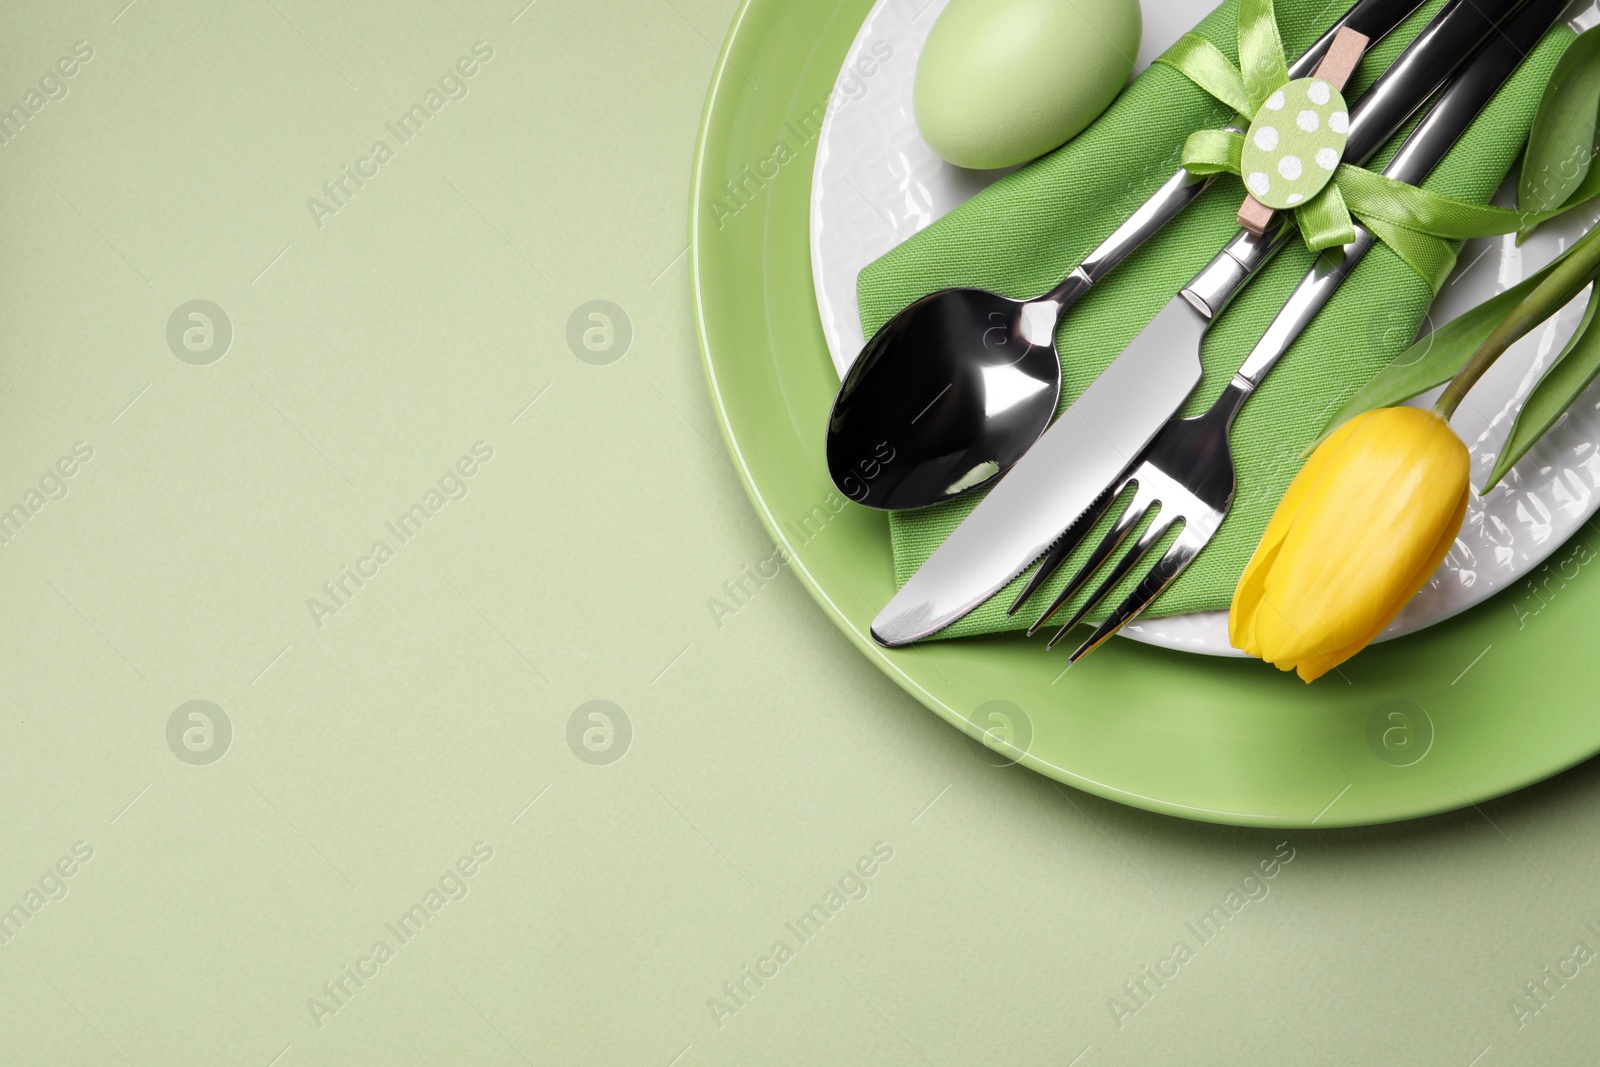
1295 143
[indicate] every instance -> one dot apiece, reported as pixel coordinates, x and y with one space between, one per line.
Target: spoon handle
1373 18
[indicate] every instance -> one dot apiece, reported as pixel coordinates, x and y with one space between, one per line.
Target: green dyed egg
1001 82
1294 145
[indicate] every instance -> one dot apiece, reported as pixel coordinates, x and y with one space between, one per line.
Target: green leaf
1440 355
1569 376
1563 140
1433 360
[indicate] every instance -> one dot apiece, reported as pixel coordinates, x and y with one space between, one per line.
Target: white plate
876 183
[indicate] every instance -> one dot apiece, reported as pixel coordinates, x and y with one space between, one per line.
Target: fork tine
1163 574
1157 530
1065 546
1135 512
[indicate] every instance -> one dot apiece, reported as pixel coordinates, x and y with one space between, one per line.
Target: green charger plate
1474 707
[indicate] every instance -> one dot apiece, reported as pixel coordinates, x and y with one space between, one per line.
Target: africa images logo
750 183
852 886
453 485
340 190
453 884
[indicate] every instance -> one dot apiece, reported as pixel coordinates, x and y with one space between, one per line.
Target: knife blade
1057 481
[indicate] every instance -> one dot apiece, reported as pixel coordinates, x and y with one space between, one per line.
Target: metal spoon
956 387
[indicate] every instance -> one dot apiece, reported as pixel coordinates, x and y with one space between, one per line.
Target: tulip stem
1569 279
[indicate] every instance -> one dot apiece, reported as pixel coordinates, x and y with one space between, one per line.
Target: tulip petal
1424 572
1247 596
1363 527
1360 538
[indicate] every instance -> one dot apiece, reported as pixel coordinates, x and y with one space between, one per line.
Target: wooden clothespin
1344 52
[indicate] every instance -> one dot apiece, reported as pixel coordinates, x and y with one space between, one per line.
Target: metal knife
1105 429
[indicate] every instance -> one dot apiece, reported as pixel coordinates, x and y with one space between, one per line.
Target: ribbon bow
1421 227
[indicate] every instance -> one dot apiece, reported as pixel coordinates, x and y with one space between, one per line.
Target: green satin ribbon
1421 227
1260 52
1203 63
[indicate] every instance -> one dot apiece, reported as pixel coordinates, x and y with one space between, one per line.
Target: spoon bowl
948 394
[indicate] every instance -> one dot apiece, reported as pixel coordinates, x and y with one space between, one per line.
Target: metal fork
1184 478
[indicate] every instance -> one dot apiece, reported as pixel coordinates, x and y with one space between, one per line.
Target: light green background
430 712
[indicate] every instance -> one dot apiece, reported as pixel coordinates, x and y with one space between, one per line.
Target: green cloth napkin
1023 234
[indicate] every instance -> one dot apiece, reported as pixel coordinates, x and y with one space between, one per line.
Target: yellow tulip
1361 529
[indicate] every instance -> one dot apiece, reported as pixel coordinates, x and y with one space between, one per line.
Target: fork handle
1423 150
1453 37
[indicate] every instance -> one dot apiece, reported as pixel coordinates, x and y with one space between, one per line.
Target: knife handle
1453 37
1374 19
